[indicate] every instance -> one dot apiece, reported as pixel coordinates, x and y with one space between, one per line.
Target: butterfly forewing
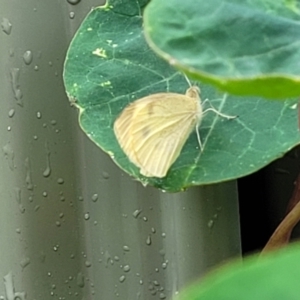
152 130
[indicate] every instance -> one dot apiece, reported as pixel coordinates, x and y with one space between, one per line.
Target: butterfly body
153 130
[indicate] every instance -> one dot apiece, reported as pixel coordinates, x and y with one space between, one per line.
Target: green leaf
269 277
242 47
109 65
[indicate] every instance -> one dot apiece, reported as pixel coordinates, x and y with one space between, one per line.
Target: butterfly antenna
187 79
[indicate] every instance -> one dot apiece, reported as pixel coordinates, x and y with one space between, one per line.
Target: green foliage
273 276
109 65
242 47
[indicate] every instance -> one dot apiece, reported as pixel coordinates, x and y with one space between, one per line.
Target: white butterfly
153 130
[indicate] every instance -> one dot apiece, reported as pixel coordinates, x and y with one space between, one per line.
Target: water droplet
39 115
11 113
18 230
86 216
145 219
53 122
50 63
61 215
116 258
28 178
6 26
15 76
148 240
27 57
9 155
36 68
122 278
8 128
95 197
72 15
73 2
47 171
137 212
105 175
153 230
45 194
88 264
80 280
21 208
57 223
126 248
164 265
162 296
36 208
126 268
60 181
25 262
210 223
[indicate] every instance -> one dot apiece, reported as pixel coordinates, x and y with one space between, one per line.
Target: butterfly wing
152 130
160 131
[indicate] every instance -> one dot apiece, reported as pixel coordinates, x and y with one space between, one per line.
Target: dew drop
126 248
72 15
11 113
86 216
47 171
210 223
164 265
15 75
9 155
25 262
80 280
148 240
105 175
60 181
122 278
28 178
39 115
95 197
126 268
27 57
88 264
73 2
6 26
137 212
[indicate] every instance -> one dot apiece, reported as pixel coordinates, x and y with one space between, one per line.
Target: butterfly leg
198 138
216 111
